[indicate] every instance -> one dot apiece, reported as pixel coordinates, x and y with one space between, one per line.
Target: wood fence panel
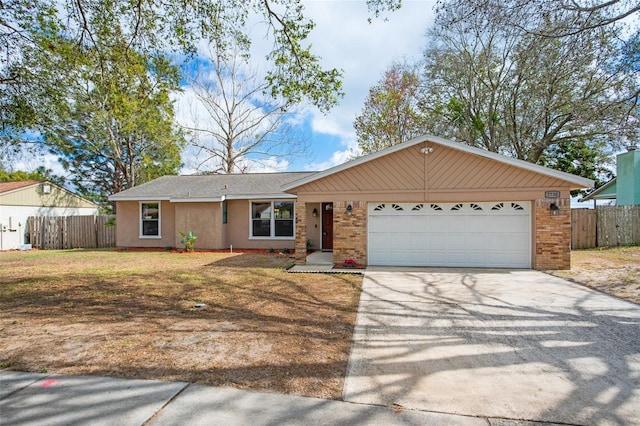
67 232
583 229
106 231
618 226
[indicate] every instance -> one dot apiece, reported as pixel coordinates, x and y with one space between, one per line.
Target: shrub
188 240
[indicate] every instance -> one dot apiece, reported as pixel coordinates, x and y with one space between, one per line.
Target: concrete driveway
495 343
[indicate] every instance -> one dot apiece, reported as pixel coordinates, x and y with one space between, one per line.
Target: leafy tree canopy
40 174
392 112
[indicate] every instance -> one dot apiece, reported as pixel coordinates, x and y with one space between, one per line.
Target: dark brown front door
327 226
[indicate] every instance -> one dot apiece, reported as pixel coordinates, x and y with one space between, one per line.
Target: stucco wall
237 230
204 219
128 226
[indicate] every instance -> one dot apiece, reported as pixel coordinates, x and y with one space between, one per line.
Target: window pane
261 228
284 228
150 211
283 209
150 227
224 212
261 210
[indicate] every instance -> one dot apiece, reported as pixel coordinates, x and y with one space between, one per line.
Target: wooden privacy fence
66 232
605 226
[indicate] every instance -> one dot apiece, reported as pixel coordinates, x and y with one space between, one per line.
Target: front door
327 226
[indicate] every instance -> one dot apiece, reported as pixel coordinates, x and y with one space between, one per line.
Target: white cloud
345 40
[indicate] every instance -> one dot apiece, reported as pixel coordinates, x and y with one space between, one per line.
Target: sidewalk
42 399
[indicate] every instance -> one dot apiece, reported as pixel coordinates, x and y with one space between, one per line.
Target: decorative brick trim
301 233
552 235
350 232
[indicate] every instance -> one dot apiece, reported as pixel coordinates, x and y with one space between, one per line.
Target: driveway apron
495 343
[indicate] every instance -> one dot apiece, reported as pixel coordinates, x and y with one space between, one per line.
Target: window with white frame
150 219
272 219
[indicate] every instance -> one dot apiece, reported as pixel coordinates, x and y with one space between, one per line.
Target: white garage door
496 234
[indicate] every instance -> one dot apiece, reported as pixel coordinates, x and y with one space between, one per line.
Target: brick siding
301 233
552 235
350 232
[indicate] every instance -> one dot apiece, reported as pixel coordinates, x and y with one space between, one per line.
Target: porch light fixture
349 210
315 213
555 210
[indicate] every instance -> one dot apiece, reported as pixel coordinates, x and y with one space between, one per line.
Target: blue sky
344 39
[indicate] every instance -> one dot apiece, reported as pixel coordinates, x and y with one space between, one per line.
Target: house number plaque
552 194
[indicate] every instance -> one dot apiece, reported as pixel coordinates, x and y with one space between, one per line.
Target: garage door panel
464 234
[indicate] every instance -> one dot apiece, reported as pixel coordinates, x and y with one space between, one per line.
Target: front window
271 219
149 219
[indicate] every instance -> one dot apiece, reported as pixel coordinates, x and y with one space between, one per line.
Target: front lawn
210 318
615 271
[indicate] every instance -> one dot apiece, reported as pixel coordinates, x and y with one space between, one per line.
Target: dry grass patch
615 271
133 314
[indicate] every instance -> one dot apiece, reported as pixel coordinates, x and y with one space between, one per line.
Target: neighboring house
19 200
625 187
425 202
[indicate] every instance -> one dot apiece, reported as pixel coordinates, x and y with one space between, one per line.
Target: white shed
19 200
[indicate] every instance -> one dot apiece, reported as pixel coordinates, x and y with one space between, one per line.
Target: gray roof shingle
211 187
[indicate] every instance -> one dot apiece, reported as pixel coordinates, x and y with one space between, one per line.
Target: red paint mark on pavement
48 383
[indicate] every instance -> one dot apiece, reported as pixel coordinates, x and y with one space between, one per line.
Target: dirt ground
211 318
615 271
141 315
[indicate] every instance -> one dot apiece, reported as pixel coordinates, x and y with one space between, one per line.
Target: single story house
625 187
19 200
425 202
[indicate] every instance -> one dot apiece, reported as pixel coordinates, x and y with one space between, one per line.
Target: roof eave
197 200
595 194
21 188
134 198
272 196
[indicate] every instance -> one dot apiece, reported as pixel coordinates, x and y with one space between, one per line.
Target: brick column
553 235
301 233
350 232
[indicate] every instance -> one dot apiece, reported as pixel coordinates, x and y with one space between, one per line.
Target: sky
344 39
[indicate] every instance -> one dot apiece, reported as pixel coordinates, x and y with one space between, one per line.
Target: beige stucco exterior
205 219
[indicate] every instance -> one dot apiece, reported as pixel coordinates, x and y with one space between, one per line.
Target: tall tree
41 174
568 17
392 112
151 26
112 125
244 125
522 92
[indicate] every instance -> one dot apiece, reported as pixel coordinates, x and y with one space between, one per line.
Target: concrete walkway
497 344
40 399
